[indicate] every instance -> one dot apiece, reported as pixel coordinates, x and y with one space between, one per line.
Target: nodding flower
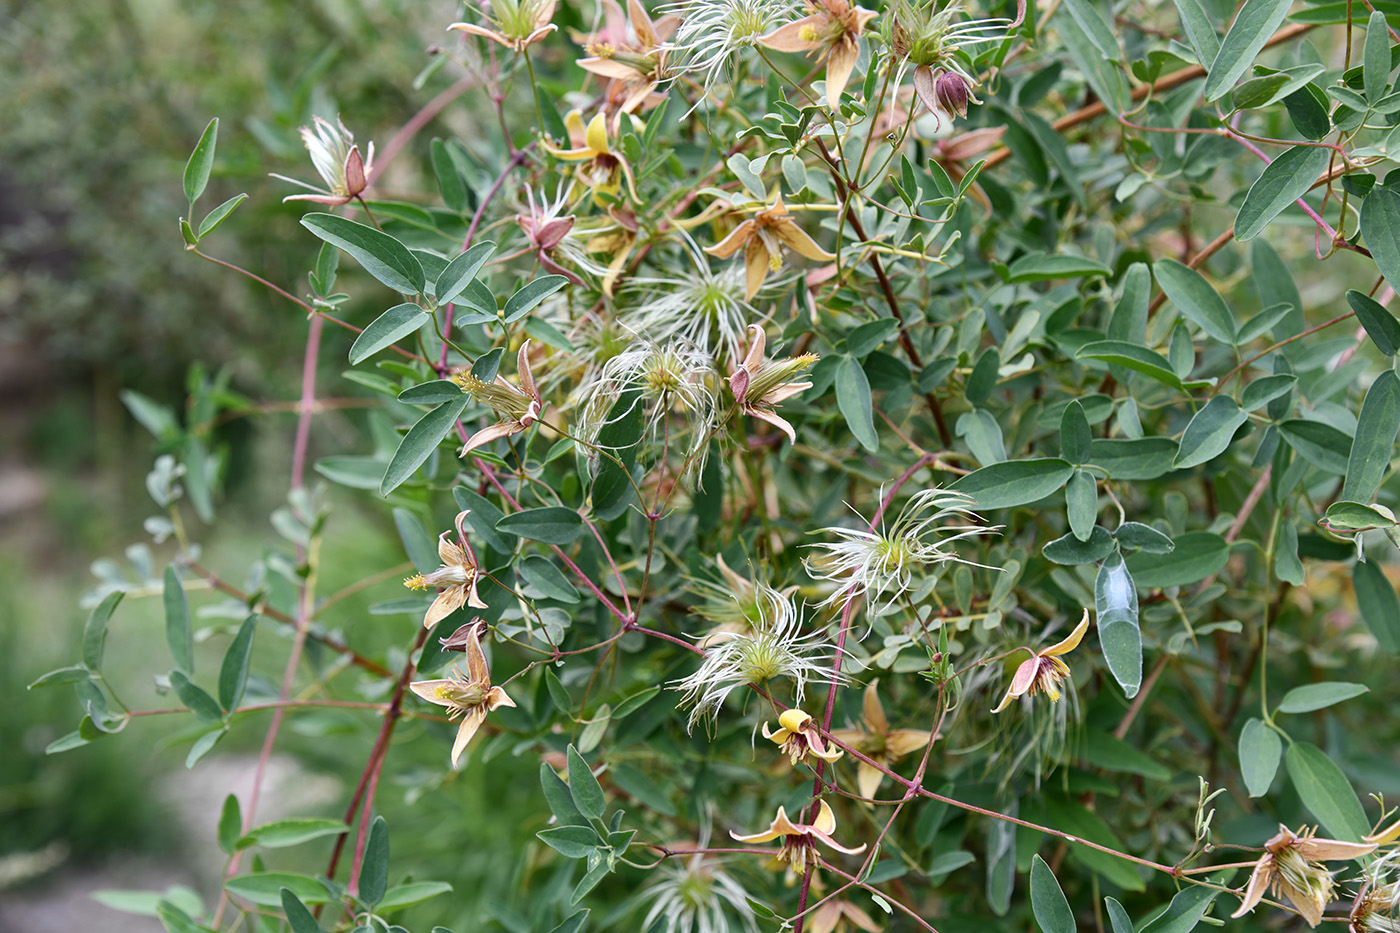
1292 866
457 576
799 737
799 840
518 23
760 385
1043 671
600 168
762 238
518 409
878 742
470 697
337 160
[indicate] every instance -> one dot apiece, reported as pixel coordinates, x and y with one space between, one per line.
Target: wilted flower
457 576
546 227
1376 908
518 409
1291 865
759 385
517 23
740 606
631 52
878 742
799 737
470 697
944 93
831 28
1043 670
458 640
695 895
762 238
337 160
799 839
836 916
699 305
712 32
601 169
883 562
933 42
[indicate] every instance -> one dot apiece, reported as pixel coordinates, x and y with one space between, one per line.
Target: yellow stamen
416 582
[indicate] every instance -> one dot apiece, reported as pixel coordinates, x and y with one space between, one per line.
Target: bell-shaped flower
516 24
762 238
1291 865
471 696
337 160
878 742
1043 671
457 576
800 737
601 169
760 385
518 408
799 840
831 28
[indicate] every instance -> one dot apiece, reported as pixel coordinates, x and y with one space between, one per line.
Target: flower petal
839 65
737 238
789 38
873 710
1331 850
596 136
471 721
826 820
476 659
1387 835
868 778
796 238
447 602
490 433
431 690
832 843
901 742
756 265
1258 884
773 418
1072 641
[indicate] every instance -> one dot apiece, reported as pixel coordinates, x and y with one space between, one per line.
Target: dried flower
337 160
1291 865
836 916
517 23
762 238
631 53
699 306
799 737
1043 670
713 32
831 28
739 605
878 742
799 839
760 385
601 169
457 576
518 409
883 563
1376 908
470 697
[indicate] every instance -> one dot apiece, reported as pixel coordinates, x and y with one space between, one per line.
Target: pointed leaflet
1376 61
1371 449
1015 482
1196 299
853 398
1283 181
1129 321
1074 433
462 271
1261 750
374 867
1326 792
1116 605
1311 697
393 325
381 255
1379 605
1256 21
201 161
584 787
233 676
177 622
1380 226
95 630
1200 31
1379 323
420 442
1048 902
1209 432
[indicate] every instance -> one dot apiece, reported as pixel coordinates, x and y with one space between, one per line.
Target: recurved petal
447 602
797 238
784 392
471 721
526 372
330 199
1332 850
1258 884
476 659
432 690
781 826
608 68
868 778
449 552
1387 835
473 599
832 843
737 239
773 418
1072 641
901 742
596 136
758 340
826 820
823 751
496 698
756 265
490 433
874 711
838 68
825 918
924 87
1306 904
475 30
789 38
779 737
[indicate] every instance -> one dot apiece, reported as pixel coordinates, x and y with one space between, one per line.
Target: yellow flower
1043 671
759 385
457 576
470 697
799 839
800 737
1385 836
762 237
1291 865
519 23
832 27
602 169
519 409
878 741
838 915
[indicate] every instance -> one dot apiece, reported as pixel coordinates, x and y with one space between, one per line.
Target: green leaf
299 918
1133 458
1380 324
1129 321
573 923
530 296
391 326
1196 555
1380 226
1287 566
230 825
264 889
1379 605
233 674
1194 297
1319 444
1139 359
1209 432
1186 909
570 841
1120 633
540 572
595 874
584 787
557 795
1310 697
420 442
1074 434
294 832
74 674
1038 267
421 547
1256 22
483 518
1069 550
218 215
374 867
1015 482
643 788
1118 918
1283 181
201 161
1345 517
406 894
552 524
1200 31
381 255
853 398
862 340
177 622
204 707
983 377
1376 58
1082 504
462 271
95 630
1261 392
1309 110
1048 901
1326 792
1261 750
1136 535
1374 444
1263 322
1107 751
1259 91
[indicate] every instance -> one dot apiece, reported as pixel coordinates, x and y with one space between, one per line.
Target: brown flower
762 237
518 23
759 385
470 697
831 27
799 839
1291 865
457 576
878 741
518 409
1043 671
836 916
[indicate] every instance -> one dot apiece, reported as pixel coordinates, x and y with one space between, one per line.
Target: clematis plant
799 840
1043 671
470 696
457 576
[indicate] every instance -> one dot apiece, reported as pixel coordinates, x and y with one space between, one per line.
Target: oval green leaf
1283 181
1374 444
1015 482
1195 298
1209 432
1052 913
420 442
285 833
1326 792
462 271
396 323
1379 605
1380 226
1311 697
381 255
552 524
1380 324
201 161
530 295
1256 22
853 398
1196 555
1261 750
1120 634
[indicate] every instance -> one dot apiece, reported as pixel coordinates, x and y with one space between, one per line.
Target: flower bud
952 91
